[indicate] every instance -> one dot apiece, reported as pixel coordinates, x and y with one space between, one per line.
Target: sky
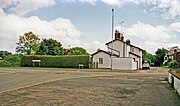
149 24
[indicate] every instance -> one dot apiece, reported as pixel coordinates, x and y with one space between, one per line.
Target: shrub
4 63
14 60
166 63
173 64
57 61
10 61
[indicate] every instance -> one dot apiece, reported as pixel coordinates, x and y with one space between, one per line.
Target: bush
10 61
57 61
4 63
173 64
166 63
14 60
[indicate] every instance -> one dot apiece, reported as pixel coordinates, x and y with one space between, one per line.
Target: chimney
128 42
122 37
117 35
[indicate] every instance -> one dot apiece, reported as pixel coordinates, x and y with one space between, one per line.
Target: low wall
123 63
174 81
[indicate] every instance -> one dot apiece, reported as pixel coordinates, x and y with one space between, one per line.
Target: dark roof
123 42
109 53
134 54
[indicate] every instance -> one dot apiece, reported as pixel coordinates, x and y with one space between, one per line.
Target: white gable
106 60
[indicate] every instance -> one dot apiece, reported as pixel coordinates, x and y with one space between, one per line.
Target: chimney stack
128 42
119 35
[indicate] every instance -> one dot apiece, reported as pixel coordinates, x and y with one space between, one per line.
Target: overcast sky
149 24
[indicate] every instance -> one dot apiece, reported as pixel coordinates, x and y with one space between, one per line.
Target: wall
123 63
136 50
176 83
117 45
128 49
140 60
106 60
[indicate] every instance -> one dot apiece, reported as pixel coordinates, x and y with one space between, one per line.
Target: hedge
71 61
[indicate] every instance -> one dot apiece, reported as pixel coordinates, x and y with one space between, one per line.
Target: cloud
148 37
176 26
153 46
12 26
89 1
150 32
61 29
22 7
169 8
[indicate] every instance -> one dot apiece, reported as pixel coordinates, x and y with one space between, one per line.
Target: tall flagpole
112 36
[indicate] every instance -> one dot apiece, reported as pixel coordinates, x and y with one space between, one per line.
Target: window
100 60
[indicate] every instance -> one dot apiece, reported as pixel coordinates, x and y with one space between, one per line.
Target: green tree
148 57
3 54
28 43
160 53
50 47
78 51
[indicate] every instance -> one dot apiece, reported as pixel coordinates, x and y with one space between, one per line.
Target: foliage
78 51
167 62
4 63
14 60
10 61
28 43
50 47
71 61
160 53
148 57
3 54
173 64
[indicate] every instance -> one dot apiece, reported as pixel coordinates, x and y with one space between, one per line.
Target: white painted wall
117 45
106 60
177 85
136 50
140 61
123 63
176 82
128 50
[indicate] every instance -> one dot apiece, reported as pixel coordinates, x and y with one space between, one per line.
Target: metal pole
121 25
112 36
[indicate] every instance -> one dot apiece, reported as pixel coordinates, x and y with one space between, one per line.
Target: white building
121 54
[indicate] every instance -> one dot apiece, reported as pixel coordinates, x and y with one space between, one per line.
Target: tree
77 51
148 57
28 43
50 47
160 53
3 54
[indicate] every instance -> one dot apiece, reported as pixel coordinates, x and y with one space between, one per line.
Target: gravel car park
44 87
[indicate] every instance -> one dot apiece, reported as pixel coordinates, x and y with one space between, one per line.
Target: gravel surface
81 88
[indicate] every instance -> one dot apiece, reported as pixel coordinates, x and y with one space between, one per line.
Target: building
120 54
173 53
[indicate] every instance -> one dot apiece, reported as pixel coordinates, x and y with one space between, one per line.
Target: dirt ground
138 88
